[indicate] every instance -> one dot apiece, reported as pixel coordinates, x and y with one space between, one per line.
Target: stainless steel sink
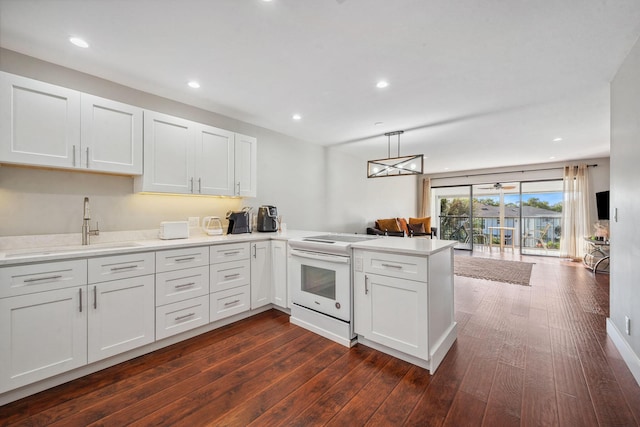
69 249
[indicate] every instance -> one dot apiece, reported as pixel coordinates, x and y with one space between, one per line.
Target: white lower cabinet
43 321
181 316
230 280
121 304
392 312
229 302
260 274
42 335
279 273
403 304
121 316
182 290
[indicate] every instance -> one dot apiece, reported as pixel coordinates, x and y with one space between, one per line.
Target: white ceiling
474 83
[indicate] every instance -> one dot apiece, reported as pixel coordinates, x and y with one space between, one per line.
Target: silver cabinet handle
238 192
87 157
192 184
232 253
74 156
80 300
255 251
200 185
229 276
226 304
392 266
185 316
191 258
185 285
95 297
126 267
366 284
38 279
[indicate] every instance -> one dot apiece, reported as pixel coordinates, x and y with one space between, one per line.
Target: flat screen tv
602 202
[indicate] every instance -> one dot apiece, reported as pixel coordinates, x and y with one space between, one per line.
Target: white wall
314 187
625 232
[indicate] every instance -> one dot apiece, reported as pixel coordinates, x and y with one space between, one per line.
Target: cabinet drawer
229 252
227 303
27 279
181 258
181 316
395 265
121 266
180 285
230 275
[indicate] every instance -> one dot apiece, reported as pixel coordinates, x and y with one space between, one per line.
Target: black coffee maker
267 218
239 222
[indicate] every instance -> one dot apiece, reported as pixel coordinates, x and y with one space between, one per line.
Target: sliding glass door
541 217
453 210
496 212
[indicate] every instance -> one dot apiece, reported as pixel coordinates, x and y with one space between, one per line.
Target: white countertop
28 249
405 245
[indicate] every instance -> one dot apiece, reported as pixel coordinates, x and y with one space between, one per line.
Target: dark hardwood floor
525 355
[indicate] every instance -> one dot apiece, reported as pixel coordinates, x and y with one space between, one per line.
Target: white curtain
576 221
425 209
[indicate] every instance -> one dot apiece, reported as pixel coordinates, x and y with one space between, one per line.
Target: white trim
631 359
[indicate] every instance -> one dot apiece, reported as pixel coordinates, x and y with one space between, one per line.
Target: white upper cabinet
46 125
246 149
39 122
111 136
185 157
168 154
214 161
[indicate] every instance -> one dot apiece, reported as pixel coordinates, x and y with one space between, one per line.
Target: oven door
321 282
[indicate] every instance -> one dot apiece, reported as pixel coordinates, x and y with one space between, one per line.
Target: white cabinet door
39 123
279 273
214 161
168 155
260 274
121 316
42 335
393 312
111 136
246 158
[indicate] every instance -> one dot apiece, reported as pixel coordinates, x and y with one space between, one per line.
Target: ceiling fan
498 186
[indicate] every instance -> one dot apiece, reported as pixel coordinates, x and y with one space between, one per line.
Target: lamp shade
395 166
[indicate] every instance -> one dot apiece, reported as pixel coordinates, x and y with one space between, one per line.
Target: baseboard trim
630 358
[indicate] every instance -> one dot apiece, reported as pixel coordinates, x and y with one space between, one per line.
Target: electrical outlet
194 221
627 324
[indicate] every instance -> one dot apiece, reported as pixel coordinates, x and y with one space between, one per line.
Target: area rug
516 272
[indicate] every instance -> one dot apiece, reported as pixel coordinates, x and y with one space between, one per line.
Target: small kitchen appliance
267 218
174 230
239 222
212 225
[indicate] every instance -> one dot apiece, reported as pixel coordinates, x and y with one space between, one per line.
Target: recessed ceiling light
296 117
382 84
194 84
79 42
557 139
552 157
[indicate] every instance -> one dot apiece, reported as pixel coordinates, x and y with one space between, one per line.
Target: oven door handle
321 257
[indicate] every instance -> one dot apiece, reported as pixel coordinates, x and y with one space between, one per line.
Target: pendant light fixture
395 166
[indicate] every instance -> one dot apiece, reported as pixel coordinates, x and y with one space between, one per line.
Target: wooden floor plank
525 355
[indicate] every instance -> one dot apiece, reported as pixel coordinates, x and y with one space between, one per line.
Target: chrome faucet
86 227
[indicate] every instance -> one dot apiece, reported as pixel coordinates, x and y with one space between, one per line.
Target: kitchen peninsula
403 298
115 300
